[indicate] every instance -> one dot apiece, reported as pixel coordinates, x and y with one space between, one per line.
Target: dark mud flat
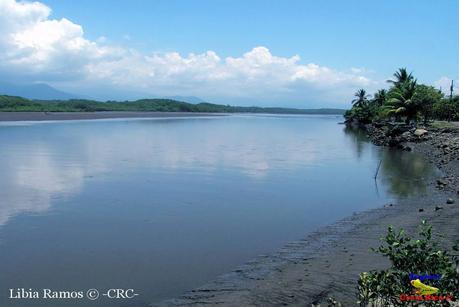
327 263
45 116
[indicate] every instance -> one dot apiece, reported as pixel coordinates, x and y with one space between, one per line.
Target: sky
268 53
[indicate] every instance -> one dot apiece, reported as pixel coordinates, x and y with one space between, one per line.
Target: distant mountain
39 91
189 99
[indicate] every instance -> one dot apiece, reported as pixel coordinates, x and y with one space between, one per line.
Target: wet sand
327 263
45 116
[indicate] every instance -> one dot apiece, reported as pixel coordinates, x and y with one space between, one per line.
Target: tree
401 77
362 111
361 98
447 109
379 97
400 102
424 98
405 99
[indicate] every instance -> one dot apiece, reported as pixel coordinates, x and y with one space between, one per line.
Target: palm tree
361 98
400 102
379 97
401 77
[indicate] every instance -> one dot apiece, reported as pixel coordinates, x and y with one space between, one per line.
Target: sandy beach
45 116
326 263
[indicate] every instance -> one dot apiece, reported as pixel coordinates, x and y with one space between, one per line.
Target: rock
441 182
420 132
406 134
421 210
450 201
438 208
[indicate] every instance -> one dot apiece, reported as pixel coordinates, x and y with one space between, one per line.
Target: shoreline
53 116
327 262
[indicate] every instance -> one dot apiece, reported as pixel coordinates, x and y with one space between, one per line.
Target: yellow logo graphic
423 289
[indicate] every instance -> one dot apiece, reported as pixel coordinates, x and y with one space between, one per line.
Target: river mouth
163 206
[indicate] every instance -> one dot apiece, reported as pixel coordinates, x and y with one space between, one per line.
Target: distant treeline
19 104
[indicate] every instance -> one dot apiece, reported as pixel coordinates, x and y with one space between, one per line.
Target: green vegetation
405 100
439 124
13 103
409 255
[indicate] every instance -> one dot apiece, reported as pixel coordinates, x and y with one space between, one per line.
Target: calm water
165 205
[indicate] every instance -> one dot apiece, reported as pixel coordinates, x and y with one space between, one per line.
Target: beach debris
438 208
377 170
450 201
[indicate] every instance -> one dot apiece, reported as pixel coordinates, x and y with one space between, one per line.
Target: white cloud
445 84
33 44
40 48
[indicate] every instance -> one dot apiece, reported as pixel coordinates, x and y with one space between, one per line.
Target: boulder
450 201
420 132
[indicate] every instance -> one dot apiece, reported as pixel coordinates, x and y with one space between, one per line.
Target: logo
423 292
423 289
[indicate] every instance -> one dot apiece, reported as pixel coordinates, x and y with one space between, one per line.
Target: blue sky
354 39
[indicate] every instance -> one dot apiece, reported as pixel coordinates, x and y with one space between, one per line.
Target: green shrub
409 255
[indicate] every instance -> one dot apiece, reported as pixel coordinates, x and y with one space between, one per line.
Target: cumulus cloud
36 47
33 44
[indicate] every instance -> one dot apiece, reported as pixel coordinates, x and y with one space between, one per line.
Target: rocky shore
323 268
439 145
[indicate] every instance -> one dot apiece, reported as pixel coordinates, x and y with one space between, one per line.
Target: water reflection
29 184
49 161
403 173
37 172
358 138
